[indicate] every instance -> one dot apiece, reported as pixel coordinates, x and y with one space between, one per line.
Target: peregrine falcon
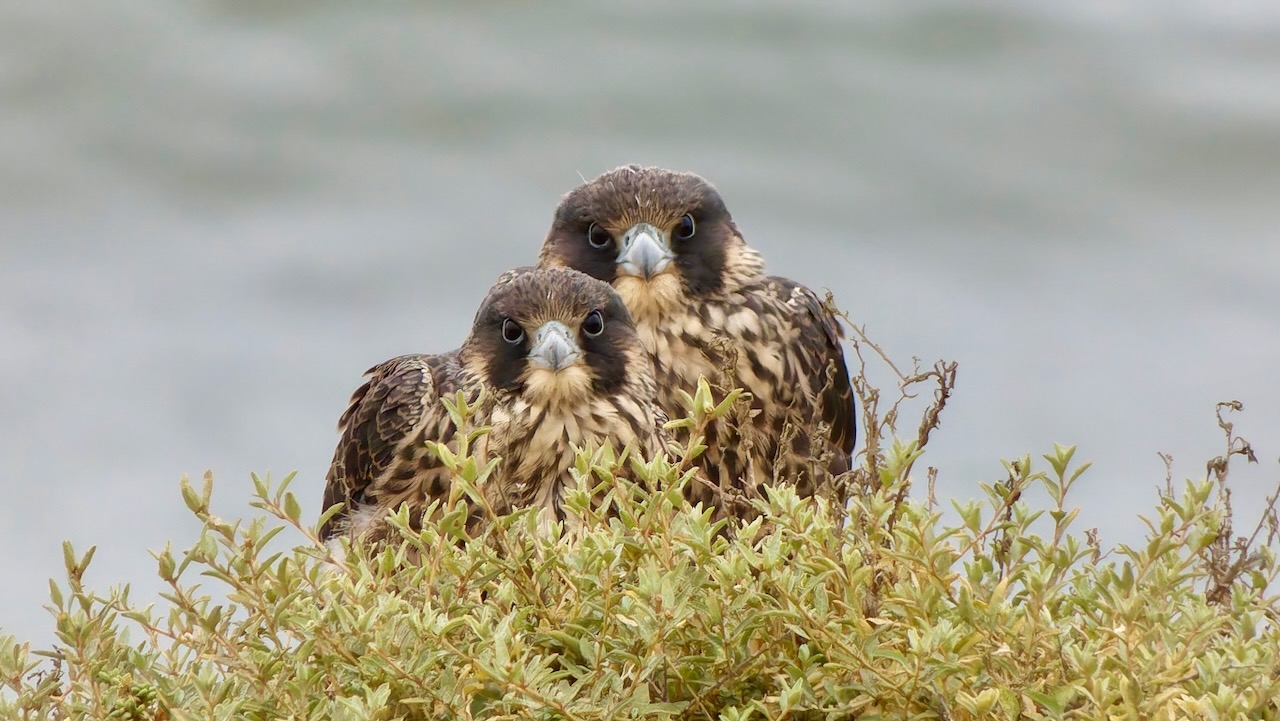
558 354
703 305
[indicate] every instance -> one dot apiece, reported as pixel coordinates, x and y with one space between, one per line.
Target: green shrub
877 609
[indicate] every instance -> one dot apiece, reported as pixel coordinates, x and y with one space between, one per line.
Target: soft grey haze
215 215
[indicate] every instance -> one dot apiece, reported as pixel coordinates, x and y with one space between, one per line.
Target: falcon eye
594 324
684 230
511 331
598 237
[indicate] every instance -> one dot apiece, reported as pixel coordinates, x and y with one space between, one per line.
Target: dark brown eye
684 230
512 332
598 237
594 324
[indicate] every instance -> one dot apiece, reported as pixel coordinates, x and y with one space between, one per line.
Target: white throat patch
543 387
650 300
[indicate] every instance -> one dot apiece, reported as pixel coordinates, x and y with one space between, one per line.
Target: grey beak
554 346
644 252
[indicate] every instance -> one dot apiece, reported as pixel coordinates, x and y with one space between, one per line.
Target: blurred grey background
214 215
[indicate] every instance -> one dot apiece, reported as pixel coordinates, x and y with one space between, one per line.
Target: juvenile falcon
703 305
559 355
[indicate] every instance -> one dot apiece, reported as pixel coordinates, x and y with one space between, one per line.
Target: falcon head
661 238
553 336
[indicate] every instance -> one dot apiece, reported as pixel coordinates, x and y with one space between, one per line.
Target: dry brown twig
1229 556
875 426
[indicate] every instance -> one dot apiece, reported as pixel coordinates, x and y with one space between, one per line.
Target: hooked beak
554 347
644 252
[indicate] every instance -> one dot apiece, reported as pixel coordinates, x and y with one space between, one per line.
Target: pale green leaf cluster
641 607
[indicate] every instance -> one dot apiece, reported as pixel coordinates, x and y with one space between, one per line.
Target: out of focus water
215 215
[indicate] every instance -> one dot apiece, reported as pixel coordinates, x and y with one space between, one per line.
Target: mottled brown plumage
703 305
563 366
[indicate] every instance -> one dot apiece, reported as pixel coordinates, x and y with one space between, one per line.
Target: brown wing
819 339
385 414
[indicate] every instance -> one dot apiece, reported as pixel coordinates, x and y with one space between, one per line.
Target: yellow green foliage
645 609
